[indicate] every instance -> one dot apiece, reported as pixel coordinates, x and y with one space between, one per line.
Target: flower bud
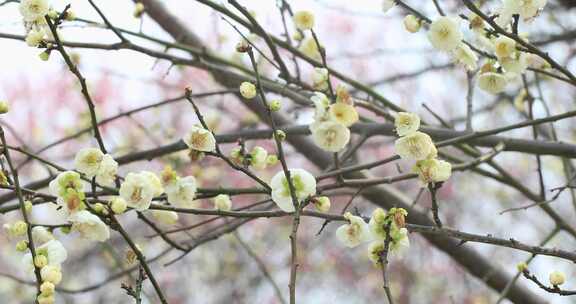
51 273
275 105
139 9
243 46
28 206
4 107
44 56
47 289
280 135
118 205
40 261
272 159
19 228
411 23
43 299
70 15
22 246
322 203
98 208
522 266
248 90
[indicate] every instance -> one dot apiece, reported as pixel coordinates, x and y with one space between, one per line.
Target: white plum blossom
492 82
165 217
137 190
154 181
107 171
222 202
41 235
34 10
183 192
304 20
200 139
516 64
304 186
87 161
445 34
406 123
321 105
416 146
320 79
526 9
433 170
464 55
34 37
504 47
354 233
330 135
310 48
89 226
343 113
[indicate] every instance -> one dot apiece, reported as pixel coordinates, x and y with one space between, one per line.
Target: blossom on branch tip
139 9
304 186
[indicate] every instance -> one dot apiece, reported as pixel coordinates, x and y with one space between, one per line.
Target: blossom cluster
382 227
508 62
418 146
38 32
330 128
